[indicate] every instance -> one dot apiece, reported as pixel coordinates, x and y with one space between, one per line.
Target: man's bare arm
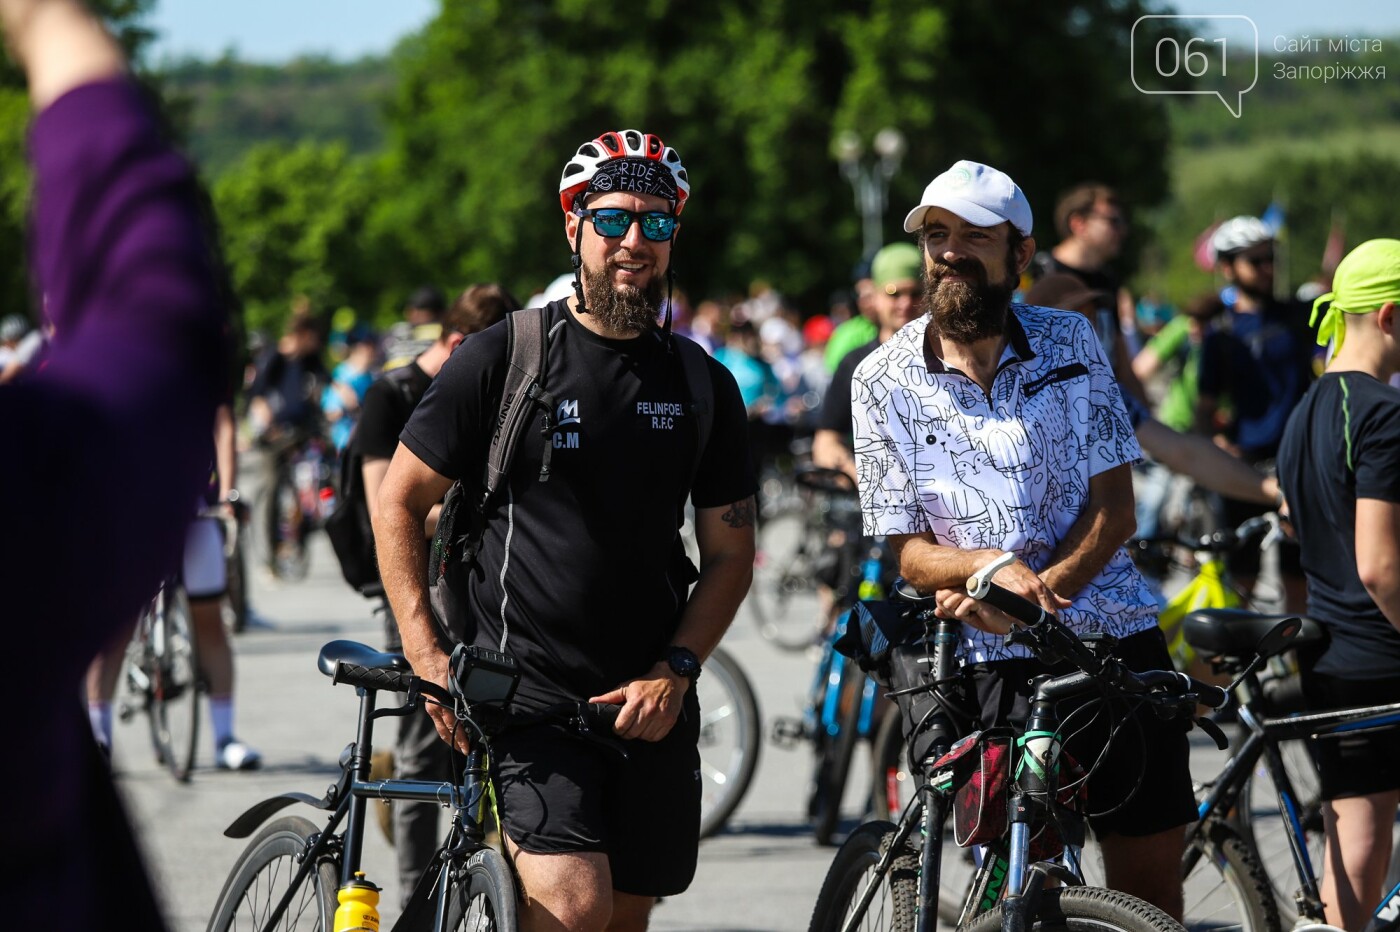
830 451
1104 525
407 493
1195 456
372 475
942 571
725 535
1378 554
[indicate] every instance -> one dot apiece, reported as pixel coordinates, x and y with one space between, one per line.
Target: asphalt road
762 873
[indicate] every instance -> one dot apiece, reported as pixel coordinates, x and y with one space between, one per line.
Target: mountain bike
1273 736
297 503
288 876
161 678
888 875
842 711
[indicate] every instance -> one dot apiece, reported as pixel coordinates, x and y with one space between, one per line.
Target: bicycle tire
1260 823
1226 886
235 606
729 739
483 895
173 710
262 874
287 554
893 788
1084 909
850 874
833 759
784 570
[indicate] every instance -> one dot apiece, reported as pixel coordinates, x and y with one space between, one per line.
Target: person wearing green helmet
895 272
1339 462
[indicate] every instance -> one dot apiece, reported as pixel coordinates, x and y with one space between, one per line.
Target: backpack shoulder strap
401 377
695 362
527 345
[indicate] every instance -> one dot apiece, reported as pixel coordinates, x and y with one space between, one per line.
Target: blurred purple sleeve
108 444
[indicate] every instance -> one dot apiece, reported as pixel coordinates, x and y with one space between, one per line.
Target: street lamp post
870 180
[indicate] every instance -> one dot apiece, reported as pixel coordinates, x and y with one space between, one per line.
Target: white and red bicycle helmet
626 160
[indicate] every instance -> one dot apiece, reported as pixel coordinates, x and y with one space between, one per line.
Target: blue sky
275 30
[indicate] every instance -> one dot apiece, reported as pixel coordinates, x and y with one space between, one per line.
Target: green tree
495 96
293 220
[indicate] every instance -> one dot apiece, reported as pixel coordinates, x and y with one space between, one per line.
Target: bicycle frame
347 800
1263 741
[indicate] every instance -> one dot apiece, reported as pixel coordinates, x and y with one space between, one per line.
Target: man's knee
570 892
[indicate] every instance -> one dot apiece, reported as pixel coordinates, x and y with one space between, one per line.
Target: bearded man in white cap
991 431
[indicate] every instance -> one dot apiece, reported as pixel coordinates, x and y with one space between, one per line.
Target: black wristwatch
683 662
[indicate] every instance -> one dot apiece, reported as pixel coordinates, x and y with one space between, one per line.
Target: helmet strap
578 268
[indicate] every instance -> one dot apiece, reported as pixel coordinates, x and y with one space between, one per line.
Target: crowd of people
990 399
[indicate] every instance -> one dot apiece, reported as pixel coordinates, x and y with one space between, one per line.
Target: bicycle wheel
894 787
483 895
263 874
729 739
235 607
781 596
1260 822
287 556
1225 885
853 870
173 712
833 759
1085 909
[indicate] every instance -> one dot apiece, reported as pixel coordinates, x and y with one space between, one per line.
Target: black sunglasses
613 222
1266 258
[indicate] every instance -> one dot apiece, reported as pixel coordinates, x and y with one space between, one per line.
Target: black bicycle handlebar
1050 640
1225 540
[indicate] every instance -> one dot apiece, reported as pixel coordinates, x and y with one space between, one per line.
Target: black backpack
348 525
462 521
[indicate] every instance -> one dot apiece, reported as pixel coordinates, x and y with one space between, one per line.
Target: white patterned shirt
1007 470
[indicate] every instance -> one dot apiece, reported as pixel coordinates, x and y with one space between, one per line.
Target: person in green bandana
1339 463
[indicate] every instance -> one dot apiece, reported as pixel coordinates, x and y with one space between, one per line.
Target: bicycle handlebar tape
372 677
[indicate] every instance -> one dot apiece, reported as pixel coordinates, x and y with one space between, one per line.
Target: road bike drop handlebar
1169 691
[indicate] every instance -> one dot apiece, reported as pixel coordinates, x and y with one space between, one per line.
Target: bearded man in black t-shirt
584 576
1339 463
418 752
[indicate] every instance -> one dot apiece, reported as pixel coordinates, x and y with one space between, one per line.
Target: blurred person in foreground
121 260
1340 465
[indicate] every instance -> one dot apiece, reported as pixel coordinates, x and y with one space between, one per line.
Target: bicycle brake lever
1217 735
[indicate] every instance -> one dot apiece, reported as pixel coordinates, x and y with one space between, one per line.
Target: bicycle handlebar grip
1023 610
604 715
1209 694
373 678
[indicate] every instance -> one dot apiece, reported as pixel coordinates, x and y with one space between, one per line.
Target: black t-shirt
836 405
1343 443
595 572
386 410
292 386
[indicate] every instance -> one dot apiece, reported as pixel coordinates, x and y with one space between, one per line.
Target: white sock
100 718
221 716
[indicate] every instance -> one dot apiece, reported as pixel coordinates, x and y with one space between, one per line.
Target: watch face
684 662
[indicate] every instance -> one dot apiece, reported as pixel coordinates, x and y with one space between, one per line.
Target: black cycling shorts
1143 785
1354 764
561 793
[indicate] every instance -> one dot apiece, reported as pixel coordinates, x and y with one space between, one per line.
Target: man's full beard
966 311
624 308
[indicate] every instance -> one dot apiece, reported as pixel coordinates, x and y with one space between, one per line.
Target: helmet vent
589 150
634 139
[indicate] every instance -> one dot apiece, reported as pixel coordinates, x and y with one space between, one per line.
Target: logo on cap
959 177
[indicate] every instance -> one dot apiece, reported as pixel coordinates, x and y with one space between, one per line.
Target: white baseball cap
978 193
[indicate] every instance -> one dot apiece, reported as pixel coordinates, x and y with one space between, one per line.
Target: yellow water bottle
359 906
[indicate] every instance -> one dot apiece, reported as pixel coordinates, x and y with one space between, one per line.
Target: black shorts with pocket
560 792
1143 785
1361 763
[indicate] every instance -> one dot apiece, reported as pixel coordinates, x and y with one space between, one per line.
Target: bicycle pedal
788 732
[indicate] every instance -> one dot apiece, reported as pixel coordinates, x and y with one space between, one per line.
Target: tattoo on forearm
740 514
